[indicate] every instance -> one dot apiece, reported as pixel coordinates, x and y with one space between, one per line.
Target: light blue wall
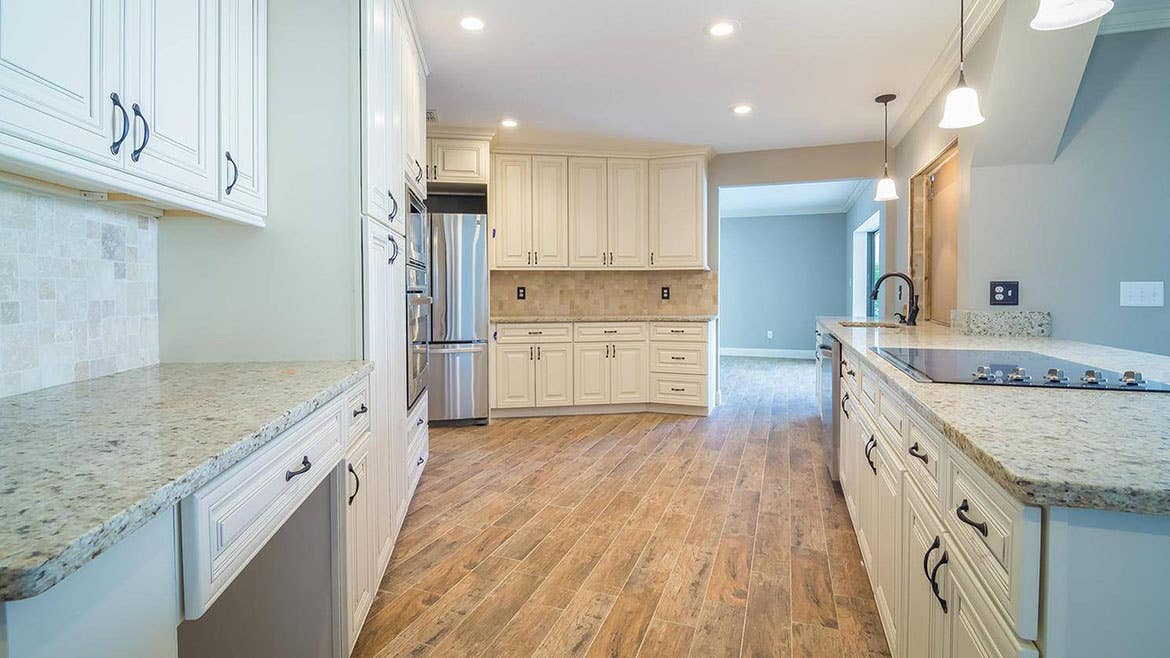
862 209
779 273
1100 214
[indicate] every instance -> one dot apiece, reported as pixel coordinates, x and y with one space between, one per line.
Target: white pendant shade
886 190
962 109
1061 14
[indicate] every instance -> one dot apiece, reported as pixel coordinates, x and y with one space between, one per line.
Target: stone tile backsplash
584 293
78 291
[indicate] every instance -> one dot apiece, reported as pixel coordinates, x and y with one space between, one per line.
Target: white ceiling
647 70
791 199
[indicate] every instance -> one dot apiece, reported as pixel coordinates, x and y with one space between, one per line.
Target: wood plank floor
633 535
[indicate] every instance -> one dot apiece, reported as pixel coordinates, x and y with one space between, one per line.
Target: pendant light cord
962 30
886 139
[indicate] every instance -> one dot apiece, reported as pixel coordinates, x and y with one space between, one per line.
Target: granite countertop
603 318
86 464
1107 450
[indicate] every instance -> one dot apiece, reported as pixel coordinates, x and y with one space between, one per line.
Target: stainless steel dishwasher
829 379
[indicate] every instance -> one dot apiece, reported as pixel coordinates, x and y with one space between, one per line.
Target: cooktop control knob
983 373
1093 377
1132 378
1055 376
1019 375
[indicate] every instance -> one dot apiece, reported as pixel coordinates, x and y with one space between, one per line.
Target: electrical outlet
769 334
1004 293
1142 293
521 293
666 292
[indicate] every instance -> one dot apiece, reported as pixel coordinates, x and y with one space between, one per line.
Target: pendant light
886 190
1059 14
962 108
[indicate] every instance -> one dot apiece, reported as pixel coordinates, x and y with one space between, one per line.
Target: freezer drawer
458 381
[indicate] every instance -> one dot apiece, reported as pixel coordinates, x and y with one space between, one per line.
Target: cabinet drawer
543 332
608 332
417 419
687 358
851 373
1000 537
357 413
688 331
420 452
678 389
869 391
227 521
924 452
891 413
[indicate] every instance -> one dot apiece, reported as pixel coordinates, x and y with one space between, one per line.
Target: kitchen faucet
911 317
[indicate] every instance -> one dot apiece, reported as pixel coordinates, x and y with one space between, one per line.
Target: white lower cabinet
359 543
610 373
554 375
591 380
515 376
628 369
924 616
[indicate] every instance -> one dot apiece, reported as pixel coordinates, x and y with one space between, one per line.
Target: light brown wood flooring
633 535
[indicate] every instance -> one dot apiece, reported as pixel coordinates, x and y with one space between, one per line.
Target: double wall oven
418 299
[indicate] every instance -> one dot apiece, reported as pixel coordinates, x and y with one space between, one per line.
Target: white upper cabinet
174 92
377 141
678 213
458 160
511 214
550 211
588 213
61 67
627 213
243 104
414 100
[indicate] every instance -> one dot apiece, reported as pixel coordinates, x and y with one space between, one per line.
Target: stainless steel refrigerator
458 387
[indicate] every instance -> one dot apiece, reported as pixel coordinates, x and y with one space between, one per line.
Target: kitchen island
1006 520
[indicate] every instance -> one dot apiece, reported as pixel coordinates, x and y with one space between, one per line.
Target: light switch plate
1142 293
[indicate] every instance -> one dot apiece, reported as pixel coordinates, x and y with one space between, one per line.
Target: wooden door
554 375
59 65
629 372
678 210
591 379
942 211
511 215
588 223
359 545
243 104
628 213
173 74
550 211
515 376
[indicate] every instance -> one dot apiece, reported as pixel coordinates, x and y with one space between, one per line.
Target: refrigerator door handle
462 349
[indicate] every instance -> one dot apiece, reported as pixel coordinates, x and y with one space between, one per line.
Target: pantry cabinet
678 211
379 57
414 100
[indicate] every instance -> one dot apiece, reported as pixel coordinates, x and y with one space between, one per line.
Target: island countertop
85 464
525 319
1107 450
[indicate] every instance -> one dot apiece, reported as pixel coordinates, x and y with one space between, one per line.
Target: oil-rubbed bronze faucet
911 317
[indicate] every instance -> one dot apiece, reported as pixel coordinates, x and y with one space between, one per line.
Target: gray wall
779 273
862 209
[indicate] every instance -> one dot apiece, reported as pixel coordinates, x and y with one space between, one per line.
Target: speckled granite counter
83 465
604 318
1107 450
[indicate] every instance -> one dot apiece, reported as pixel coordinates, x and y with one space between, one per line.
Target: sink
870 323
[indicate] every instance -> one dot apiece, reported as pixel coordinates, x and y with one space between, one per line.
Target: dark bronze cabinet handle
934 581
844 399
397 249
305 466
117 145
869 446
537 352
851 373
235 172
914 452
926 558
394 210
420 422
357 485
360 410
137 152
418 178
678 390
420 461
961 512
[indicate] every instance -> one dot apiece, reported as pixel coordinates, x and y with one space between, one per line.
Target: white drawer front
609 332
227 521
542 332
923 452
869 391
891 414
686 358
420 452
678 389
358 411
418 418
688 331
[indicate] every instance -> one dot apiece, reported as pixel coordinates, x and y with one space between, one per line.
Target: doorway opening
866 268
934 235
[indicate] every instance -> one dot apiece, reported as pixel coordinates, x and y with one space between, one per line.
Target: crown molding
979 15
461 133
1121 20
855 195
585 151
771 214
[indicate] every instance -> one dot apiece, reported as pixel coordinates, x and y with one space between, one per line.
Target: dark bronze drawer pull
961 512
915 452
305 466
844 399
360 410
678 390
357 485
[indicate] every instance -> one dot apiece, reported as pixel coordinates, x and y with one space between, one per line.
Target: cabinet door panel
554 375
550 211
243 104
59 63
377 60
629 372
358 542
173 70
588 223
627 213
512 211
395 133
922 634
887 540
591 383
678 208
459 160
515 376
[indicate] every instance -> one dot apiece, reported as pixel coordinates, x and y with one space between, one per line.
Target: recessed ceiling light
509 123
741 109
721 29
471 24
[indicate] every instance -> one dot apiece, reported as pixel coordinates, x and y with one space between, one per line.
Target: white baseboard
767 353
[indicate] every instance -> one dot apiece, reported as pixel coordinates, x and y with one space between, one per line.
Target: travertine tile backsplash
78 291
585 294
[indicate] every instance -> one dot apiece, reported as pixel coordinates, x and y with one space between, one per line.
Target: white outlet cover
1142 293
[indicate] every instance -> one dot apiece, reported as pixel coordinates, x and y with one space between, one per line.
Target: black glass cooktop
1010 368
